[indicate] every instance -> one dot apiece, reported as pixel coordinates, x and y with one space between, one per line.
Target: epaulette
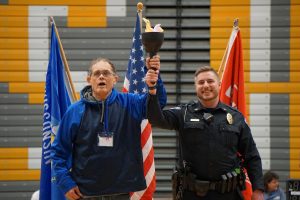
191 103
179 107
232 110
176 108
235 110
225 107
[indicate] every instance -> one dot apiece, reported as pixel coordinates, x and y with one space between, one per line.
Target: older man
101 134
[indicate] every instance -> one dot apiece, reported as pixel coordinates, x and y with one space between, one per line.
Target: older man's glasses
105 73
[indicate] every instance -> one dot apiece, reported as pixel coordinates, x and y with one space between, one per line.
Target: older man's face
102 80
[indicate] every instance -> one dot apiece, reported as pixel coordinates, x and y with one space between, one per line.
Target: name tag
105 140
194 120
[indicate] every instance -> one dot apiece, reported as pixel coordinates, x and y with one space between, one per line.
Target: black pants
109 197
212 195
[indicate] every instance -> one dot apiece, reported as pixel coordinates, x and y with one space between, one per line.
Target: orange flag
232 84
232 87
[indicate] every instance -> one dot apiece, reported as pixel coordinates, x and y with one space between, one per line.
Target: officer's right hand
153 63
74 194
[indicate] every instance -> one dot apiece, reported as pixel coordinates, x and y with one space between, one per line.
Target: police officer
210 135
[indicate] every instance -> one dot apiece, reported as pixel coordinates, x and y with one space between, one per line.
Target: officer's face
102 79
207 86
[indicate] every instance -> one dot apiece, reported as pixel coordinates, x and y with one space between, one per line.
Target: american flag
135 83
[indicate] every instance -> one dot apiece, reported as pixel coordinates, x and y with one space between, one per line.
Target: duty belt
228 183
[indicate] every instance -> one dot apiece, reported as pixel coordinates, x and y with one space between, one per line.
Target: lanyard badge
105 139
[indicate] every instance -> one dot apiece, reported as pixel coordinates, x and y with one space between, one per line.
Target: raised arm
154 81
168 119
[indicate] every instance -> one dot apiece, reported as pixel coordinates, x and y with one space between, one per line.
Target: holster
177 187
201 187
191 183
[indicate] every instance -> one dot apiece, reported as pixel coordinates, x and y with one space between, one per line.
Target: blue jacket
78 160
275 195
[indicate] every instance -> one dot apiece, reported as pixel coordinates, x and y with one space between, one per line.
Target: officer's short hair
206 69
93 62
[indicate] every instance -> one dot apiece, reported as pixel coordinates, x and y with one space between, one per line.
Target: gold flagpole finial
139 6
236 23
52 20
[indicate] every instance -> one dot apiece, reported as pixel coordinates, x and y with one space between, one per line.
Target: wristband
152 87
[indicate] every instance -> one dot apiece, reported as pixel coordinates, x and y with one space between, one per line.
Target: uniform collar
196 106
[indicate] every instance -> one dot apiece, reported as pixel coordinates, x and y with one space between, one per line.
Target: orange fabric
232 88
247 193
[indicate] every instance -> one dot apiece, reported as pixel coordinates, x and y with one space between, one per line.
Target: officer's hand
151 77
257 195
153 63
74 194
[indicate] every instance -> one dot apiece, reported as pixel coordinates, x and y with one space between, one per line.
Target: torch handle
152 54
154 83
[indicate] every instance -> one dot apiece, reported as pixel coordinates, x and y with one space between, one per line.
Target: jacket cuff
67 185
258 187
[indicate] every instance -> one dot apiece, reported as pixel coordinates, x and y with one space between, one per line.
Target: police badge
229 118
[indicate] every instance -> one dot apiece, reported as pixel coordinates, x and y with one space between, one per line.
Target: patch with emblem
229 118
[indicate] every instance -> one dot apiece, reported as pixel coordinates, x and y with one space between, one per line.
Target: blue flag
56 102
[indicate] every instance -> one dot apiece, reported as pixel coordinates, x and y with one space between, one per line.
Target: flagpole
140 6
222 65
64 60
236 23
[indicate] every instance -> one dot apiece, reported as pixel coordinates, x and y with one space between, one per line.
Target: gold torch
152 38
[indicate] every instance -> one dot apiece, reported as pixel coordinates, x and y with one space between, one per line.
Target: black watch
152 87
